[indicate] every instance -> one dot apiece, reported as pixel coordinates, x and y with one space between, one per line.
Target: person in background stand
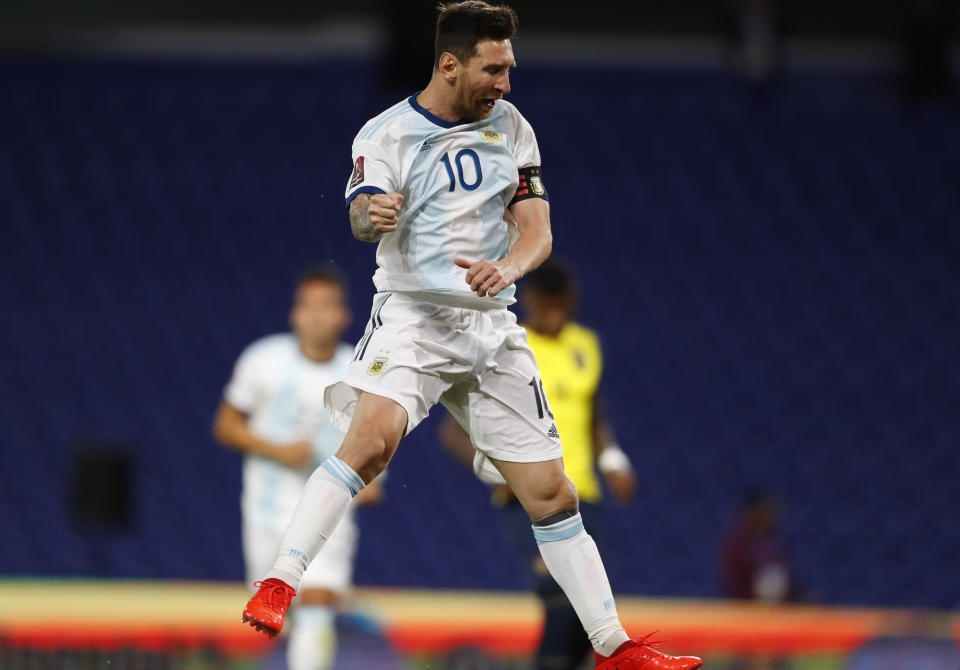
755 565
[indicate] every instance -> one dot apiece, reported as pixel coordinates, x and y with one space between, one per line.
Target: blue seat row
774 279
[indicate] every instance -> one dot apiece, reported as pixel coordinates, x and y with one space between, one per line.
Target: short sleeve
244 388
373 172
525 149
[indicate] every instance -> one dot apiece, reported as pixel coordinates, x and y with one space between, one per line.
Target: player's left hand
488 278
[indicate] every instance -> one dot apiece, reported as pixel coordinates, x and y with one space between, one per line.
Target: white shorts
475 362
332 569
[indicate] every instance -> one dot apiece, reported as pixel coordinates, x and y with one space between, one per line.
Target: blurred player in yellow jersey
571 365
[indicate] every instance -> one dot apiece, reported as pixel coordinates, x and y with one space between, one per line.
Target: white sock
323 503
571 556
313 640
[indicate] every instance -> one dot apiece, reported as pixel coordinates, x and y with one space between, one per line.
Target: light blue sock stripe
344 473
562 526
335 472
558 531
555 536
572 521
352 479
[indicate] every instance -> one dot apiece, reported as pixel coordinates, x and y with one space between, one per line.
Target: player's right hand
384 211
296 455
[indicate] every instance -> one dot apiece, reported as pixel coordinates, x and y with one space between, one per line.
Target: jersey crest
377 365
490 136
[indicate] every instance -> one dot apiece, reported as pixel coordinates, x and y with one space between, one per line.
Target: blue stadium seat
774 279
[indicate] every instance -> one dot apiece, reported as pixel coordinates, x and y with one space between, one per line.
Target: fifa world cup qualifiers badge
357 177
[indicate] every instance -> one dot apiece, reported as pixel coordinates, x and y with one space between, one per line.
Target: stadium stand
775 276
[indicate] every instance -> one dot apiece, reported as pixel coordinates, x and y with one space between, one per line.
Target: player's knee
554 495
564 493
368 452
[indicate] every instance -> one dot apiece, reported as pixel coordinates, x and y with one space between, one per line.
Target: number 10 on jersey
458 161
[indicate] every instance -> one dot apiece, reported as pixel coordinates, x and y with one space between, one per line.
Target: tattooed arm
373 215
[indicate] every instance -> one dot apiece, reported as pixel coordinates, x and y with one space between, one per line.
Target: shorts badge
377 365
536 186
490 136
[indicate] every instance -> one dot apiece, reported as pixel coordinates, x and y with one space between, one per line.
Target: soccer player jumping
448 182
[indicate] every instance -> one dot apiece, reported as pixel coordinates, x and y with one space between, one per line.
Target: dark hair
327 272
554 277
460 25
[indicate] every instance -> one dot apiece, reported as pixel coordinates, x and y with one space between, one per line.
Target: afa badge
537 186
490 136
377 365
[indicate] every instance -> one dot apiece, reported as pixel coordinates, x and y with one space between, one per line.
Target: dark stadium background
773 267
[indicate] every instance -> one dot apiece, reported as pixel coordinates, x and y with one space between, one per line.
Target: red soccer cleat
268 606
640 653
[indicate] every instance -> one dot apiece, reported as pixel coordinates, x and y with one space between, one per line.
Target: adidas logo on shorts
553 432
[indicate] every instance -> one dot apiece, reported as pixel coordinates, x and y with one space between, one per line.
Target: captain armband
612 459
531 185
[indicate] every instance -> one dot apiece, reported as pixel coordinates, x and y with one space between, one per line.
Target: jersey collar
432 118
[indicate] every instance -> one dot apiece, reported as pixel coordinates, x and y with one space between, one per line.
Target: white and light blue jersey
281 392
457 181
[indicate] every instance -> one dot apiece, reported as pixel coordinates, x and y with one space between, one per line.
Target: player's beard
472 107
476 110
468 112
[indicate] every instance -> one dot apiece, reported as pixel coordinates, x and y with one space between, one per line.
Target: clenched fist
384 211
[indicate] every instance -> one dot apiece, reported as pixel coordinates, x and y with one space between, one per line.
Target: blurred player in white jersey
272 411
448 182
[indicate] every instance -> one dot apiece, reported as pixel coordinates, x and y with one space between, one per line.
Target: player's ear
448 66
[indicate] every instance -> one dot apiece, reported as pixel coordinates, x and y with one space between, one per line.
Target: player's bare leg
571 556
375 430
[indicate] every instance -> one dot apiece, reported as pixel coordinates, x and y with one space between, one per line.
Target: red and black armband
531 185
